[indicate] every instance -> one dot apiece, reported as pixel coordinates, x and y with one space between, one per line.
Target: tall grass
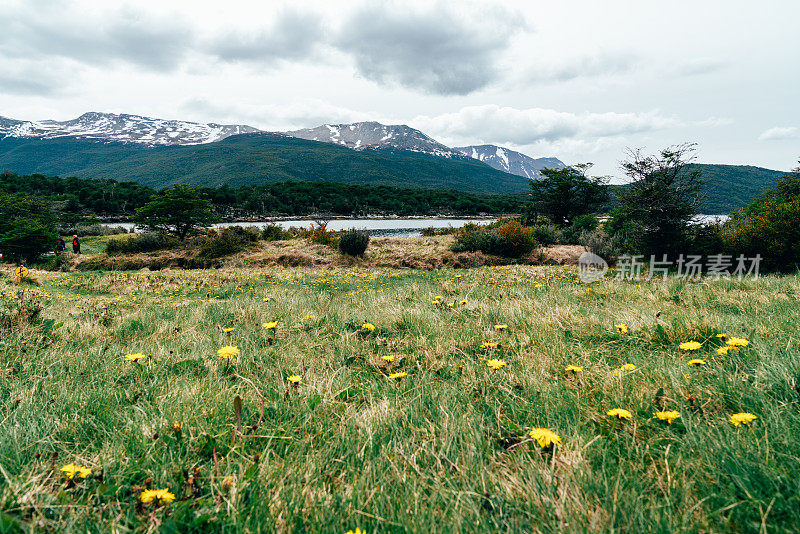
442 449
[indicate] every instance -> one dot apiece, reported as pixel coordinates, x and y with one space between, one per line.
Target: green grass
443 449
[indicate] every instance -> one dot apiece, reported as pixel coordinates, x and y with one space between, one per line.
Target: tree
769 227
564 194
655 209
27 227
176 210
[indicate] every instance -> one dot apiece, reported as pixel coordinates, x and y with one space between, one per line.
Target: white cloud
780 133
273 117
494 124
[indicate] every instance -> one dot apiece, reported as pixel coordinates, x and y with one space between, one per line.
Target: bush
95 229
546 234
354 242
582 223
321 236
505 238
773 232
273 232
145 242
601 243
431 231
227 241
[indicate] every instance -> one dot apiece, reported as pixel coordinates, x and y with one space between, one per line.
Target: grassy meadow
444 446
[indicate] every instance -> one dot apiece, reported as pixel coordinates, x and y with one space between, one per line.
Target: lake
376 227
392 227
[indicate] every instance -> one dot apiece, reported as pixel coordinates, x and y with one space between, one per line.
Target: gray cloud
293 35
430 50
154 43
698 66
27 85
594 65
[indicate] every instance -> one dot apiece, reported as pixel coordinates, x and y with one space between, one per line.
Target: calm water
376 227
392 227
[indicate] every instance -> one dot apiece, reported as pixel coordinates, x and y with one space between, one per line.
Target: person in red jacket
76 245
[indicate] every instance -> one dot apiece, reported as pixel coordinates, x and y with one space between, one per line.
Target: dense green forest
252 159
77 197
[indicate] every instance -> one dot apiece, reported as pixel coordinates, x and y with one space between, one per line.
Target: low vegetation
493 399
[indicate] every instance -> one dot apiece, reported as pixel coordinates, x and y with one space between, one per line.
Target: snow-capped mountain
374 135
510 161
123 128
357 136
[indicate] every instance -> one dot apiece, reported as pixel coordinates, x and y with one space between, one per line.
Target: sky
581 80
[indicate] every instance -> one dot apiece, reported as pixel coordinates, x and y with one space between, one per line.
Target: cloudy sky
581 80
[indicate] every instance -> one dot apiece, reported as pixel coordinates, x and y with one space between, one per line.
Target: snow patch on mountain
374 135
510 161
123 128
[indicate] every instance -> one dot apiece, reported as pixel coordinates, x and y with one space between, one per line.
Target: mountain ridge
366 135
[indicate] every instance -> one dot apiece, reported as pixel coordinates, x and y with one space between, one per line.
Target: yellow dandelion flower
545 437
228 352
295 379
73 470
388 358
737 342
368 326
721 336
356 531
668 416
619 413
488 345
158 496
742 418
309 317
400 374
495 364
135 357
690 345
267 299
573 368
226 330
271 325
724 350
697 362
177 426
463 302
621 328
500 327
627 367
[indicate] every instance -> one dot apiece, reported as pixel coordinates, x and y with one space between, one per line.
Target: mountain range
159 152
152 132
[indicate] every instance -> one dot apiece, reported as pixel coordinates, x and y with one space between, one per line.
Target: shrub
354 242
321 236
145 242
273 232
94 229
431 231
546 234
227 241
583 223
504 238
773 232
601 243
